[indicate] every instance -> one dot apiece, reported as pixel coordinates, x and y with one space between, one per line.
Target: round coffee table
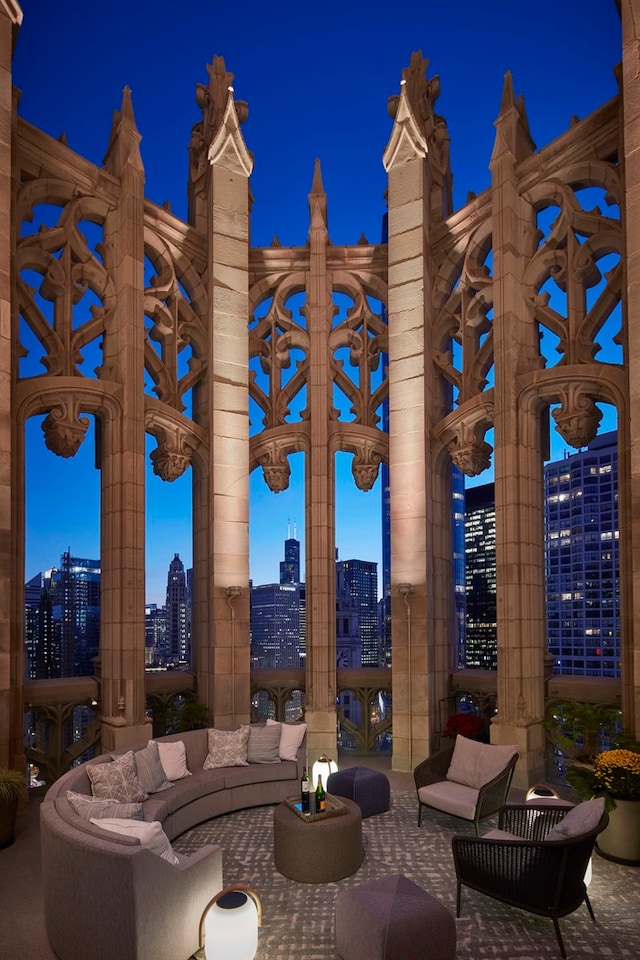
319 851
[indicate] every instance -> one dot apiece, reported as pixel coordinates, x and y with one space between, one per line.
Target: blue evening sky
316 78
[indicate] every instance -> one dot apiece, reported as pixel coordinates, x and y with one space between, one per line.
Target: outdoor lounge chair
544 871
470 780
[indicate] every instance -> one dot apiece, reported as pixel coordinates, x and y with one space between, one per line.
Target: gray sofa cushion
150 770
117 780
88 807
264 744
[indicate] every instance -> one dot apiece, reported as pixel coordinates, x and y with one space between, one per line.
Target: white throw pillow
227 748
291 736
151 835
581 819
173 757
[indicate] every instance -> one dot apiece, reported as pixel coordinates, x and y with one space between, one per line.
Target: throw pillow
227 748
291 737
149 768
117 780
473 763
582 818
264 744
151 835
173 757
87 807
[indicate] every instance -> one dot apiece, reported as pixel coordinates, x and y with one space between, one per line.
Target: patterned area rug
298 918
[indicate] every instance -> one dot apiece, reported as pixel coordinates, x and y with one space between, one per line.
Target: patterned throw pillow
149 768
117 780
227 748
151 835
264 744
88 807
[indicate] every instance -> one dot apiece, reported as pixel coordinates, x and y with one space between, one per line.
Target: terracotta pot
620 840
8 811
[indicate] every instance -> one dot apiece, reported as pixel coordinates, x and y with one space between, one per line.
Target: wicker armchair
466 797
545 877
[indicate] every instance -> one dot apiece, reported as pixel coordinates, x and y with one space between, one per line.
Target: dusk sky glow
316 78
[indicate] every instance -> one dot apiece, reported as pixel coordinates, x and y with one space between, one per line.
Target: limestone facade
464 307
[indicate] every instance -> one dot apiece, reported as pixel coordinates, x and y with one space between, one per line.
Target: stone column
11 641
320 703
629 431
223 651
122 600
409 190
520 580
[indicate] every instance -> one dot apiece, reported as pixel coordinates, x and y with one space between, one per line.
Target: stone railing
62 718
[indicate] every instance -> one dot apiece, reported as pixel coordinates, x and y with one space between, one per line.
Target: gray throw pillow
264 744
117 780
150 770
88 807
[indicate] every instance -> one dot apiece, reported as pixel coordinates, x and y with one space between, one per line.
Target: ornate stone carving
275 467
173 454
63 428
469 451
365 466
578 418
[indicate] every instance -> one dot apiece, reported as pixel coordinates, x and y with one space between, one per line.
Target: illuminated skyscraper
177 642
480 646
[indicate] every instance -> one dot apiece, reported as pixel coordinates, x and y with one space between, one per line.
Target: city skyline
308 96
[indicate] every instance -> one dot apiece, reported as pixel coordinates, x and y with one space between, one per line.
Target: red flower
466 724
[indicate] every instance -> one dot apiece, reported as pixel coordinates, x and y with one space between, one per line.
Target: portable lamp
229 924
323 767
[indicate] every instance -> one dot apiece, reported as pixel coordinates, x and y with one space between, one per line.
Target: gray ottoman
393 919
368 788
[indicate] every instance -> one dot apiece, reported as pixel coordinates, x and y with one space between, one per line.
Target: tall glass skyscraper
582 563
480 647
178 640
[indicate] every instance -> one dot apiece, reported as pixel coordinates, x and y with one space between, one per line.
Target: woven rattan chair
545 877
460 794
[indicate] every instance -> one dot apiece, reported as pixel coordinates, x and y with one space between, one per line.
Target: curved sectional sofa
107 897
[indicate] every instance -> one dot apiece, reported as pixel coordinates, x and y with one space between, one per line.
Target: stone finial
418 131
317 199
123 149
578 417
513 137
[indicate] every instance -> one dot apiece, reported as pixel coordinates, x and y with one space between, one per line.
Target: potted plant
577 728
614 775
13 787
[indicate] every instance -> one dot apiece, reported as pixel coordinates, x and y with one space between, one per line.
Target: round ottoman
369 788
317 851
393 919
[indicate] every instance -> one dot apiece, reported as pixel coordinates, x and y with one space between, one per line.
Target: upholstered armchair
536 861
469 780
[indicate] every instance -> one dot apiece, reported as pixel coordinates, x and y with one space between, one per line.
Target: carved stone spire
123 149
317 200
512 127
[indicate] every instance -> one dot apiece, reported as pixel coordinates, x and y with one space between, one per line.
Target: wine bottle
304 792
320 796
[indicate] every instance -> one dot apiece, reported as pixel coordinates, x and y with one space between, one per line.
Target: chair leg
419 812
589 907
458 898
563 952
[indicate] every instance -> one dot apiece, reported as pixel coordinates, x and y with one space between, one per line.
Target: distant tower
177 645
582 559
480 648
75 612
290 566
358 579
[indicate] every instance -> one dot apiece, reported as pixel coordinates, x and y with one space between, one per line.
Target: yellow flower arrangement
617 773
